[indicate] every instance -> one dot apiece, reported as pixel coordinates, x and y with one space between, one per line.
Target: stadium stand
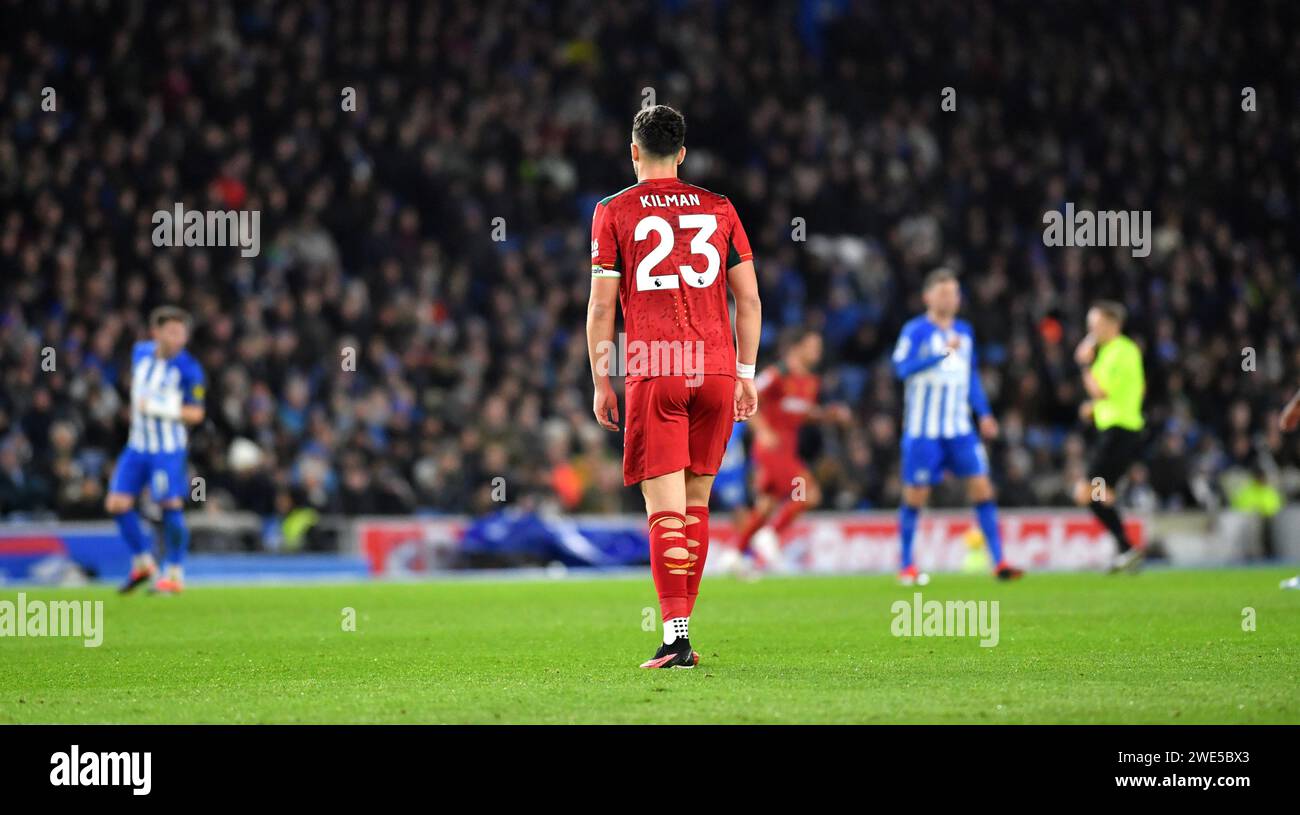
440 231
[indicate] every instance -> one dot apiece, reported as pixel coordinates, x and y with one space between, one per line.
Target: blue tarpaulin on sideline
528 537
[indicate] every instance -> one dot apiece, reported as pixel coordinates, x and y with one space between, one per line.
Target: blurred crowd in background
438 234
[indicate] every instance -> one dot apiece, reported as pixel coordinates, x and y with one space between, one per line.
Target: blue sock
177 535
987 513
907 520
128 524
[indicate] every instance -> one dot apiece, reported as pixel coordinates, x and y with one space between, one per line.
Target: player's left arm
743 282
193 390
979 400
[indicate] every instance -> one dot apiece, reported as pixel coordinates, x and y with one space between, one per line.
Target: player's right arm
173 407
183 405
605 277
911 354
749 324
155 404
767 385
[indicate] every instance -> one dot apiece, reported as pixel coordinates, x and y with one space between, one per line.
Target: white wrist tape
745 371
163 407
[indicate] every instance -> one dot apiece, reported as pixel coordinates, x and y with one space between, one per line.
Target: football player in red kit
783 484
659 249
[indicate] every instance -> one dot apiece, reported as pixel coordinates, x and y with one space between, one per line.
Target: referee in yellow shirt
1113 377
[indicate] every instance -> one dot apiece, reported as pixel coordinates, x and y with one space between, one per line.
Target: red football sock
670 562
697 543
788 512
753 522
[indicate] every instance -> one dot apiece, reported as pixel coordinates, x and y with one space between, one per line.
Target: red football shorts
775 472
672 426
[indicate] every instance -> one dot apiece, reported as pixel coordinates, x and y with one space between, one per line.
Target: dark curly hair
659 130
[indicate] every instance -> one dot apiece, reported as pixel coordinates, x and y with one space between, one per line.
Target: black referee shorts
1113 451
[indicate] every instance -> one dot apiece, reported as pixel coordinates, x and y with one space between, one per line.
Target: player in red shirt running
783 483
659 248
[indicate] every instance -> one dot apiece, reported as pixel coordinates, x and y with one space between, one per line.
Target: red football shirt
785 400
670 244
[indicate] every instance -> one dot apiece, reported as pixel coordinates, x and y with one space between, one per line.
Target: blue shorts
926 460
163 473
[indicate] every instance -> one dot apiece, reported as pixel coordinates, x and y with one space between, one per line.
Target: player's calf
909 516
143 567
176 534
671 563
980 491
1101 502
697 544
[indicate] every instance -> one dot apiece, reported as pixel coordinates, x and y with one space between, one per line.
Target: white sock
676 628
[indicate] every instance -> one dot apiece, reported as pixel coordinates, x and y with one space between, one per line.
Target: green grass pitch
1161 647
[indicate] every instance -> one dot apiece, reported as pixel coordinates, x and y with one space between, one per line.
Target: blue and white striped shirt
151 375
940 388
